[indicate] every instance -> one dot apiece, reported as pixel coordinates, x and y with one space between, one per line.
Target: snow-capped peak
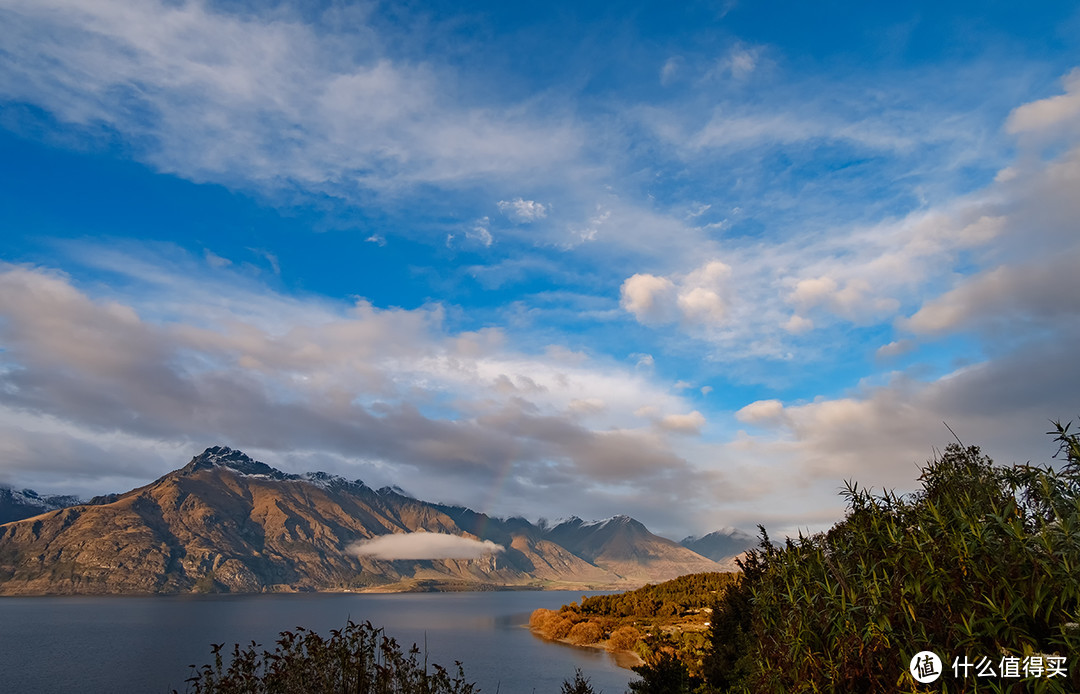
325 480
242 464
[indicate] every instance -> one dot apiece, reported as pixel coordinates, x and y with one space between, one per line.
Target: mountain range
722 544
227 523
18 504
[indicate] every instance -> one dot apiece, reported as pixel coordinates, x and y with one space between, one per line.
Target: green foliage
983 561
357 659
209 584
666 674
668 599
730 627
1068 445
579 685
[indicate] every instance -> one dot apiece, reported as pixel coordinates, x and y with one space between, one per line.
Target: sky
699 263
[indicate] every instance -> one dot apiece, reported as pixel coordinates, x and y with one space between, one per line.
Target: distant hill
624 546
722 544
225 522
16 505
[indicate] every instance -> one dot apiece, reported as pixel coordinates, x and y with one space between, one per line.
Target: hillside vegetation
671 617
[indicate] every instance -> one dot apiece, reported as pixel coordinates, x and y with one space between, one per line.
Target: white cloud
521 210
702 295
585 406
1051 113
258 102
270 258
698 298
797 324
701 305
479 232
679 423
670 70
895 349
880 435
689 423
741 61
762 294
1043 290
650 298
591 231
194 358
214 260
423 545
855 300
761 411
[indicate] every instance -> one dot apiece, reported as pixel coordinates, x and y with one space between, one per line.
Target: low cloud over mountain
424 545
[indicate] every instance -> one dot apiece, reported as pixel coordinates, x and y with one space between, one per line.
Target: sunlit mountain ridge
227 523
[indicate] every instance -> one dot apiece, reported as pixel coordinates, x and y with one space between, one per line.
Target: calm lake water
145 644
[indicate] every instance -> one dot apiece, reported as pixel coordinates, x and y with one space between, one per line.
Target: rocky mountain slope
625 547
225 522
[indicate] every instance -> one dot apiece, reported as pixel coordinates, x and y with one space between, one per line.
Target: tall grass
983 562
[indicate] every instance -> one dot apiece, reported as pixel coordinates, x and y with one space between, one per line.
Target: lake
105 645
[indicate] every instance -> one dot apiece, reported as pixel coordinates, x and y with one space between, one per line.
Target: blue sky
699 264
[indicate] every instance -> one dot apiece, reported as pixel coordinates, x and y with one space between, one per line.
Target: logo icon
925 667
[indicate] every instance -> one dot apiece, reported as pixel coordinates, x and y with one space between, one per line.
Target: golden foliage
584 633
624 638
559 628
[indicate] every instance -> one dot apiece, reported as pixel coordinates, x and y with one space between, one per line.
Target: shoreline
407 586
627 660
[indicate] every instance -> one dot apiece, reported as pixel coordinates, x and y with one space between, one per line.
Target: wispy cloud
479 232
257 101
521 210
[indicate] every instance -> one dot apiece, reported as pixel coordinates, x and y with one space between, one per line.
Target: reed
983 561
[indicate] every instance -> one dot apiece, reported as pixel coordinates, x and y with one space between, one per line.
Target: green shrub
664 674
358 658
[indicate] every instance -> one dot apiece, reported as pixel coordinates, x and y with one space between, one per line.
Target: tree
580 684
665 675
358 658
